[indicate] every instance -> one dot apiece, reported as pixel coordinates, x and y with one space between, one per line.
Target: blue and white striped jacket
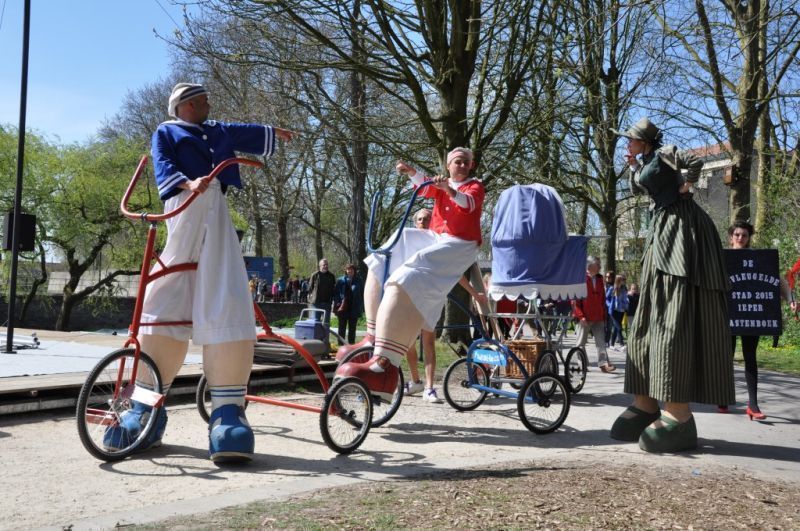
184 152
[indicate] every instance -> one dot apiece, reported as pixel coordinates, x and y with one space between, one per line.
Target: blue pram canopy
532 255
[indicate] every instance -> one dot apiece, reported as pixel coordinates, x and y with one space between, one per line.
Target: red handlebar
123 206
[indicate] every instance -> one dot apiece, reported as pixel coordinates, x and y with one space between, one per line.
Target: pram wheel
107 395
547 363
575 368
203 399
382 411
458 382
346 415
543 403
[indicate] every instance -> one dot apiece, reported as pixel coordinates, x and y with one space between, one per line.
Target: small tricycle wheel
575 368
106 397
458 384
543 403
382 411
203 398
346 414
547 363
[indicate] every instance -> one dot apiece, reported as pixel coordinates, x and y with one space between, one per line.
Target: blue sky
85 55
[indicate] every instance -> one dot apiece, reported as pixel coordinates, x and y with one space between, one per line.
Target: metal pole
23 103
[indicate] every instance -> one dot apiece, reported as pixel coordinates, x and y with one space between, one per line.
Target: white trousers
216 297
426 265
598 330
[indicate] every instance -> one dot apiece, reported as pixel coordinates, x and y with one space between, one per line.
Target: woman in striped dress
678 346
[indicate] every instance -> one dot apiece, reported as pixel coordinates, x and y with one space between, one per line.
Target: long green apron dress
679 343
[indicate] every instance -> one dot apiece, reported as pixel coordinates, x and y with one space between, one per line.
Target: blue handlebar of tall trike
388 247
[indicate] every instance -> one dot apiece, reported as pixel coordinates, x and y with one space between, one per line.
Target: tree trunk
358 102
739 201
317 215
765 167
283 245
23 313
64 315
258 223
611 246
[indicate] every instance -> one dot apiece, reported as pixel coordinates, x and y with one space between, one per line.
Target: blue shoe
130 426
230 437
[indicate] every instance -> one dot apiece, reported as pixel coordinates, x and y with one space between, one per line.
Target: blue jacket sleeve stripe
269 141
171 182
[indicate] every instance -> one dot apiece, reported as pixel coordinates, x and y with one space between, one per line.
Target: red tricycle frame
110 390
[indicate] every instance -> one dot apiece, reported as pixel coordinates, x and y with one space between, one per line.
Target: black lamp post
23 103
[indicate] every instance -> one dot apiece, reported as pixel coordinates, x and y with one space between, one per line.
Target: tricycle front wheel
543 403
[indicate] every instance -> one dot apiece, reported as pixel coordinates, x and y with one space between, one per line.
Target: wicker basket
528 351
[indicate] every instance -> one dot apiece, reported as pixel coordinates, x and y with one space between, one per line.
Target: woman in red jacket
425 266
591 313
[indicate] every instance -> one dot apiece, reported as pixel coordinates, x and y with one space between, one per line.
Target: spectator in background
266 288
348 302
253 287
303 291
609 283
739 235
281 289
617 304
296 289
422 220
507 325
633 303
591 313
275 291
321 289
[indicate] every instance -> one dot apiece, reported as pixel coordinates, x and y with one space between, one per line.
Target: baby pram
532 257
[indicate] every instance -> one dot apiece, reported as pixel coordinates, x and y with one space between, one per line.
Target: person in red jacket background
591 313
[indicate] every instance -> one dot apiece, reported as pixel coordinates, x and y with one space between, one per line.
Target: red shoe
344 350
378 374
757 415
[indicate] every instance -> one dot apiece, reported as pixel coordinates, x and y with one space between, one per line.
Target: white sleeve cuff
416 178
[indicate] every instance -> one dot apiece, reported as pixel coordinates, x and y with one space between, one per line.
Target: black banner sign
754 302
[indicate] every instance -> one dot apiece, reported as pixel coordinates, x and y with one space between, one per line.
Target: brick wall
112 313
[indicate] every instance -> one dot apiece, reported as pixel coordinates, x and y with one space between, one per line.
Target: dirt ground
527 495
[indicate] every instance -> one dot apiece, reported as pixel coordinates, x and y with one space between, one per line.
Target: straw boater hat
644 129
183 92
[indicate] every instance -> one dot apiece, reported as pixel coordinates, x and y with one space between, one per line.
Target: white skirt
426 265
216 297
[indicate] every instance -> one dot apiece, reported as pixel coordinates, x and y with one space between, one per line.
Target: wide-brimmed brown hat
644 129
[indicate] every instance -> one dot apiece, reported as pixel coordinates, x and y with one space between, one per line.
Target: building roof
712 151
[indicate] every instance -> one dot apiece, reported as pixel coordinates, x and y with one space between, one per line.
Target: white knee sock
223 395
394 351
149 387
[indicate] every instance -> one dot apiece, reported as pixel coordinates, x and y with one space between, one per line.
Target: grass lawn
784 358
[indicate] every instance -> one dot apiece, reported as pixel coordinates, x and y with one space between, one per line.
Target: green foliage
84 211
75 193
